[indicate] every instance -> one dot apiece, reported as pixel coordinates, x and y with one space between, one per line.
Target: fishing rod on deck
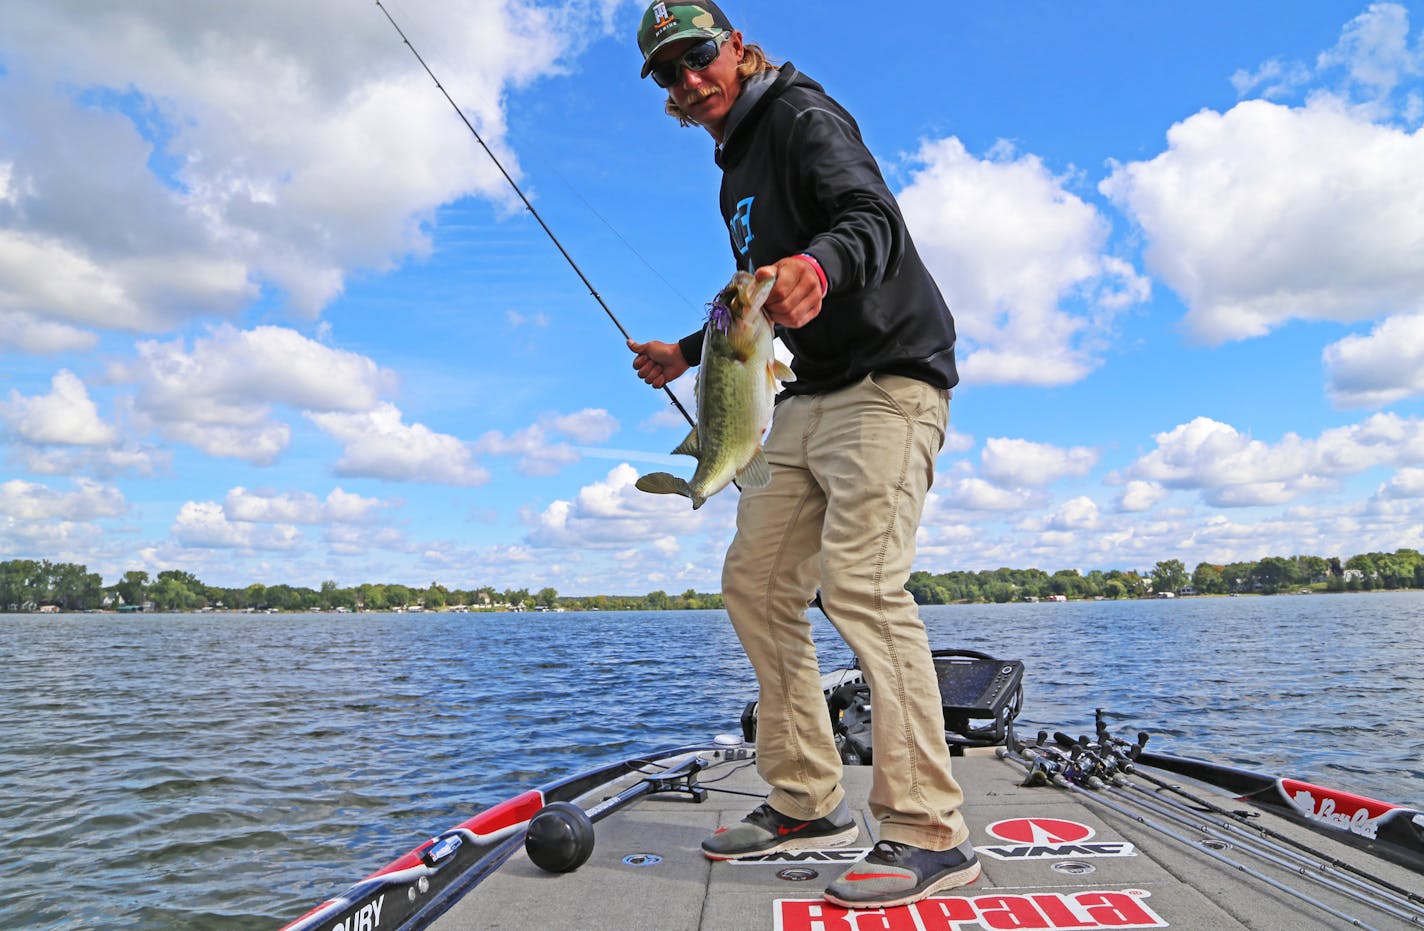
527 205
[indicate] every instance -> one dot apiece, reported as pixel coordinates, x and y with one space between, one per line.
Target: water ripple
229 772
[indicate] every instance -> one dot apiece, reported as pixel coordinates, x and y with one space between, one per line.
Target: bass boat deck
1072 834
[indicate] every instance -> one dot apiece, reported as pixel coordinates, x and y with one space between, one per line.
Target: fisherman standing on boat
852 450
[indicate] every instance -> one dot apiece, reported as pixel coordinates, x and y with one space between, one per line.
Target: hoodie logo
741 226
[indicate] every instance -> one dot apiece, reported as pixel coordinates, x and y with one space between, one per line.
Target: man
852 449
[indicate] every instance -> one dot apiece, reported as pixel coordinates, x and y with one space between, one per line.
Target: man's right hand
658 363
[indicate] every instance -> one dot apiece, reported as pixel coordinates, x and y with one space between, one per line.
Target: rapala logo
1353 813
782 857
1078 911
1049 839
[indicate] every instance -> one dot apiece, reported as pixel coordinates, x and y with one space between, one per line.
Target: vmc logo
1049 839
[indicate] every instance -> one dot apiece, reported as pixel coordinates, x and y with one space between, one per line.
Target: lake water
230 772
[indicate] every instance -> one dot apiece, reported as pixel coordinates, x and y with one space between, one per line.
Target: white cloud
1231 469
219 395
126 459
1011 463
66 416
611 512
1406 484
1378 369
23 333
1020 259
1375 53
30 501
378 444
975 494
538 452
339 507
590 425
208 189
204 525
1140 496
1249 246
1080 513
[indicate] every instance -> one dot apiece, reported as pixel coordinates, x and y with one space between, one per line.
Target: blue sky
267 312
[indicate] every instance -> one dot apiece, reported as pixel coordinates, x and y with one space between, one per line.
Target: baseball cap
668 21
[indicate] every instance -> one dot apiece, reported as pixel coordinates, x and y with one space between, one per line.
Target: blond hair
754 61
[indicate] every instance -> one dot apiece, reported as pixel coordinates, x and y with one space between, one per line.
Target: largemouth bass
736 387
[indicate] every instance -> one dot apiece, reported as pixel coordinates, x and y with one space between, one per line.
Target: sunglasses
696 58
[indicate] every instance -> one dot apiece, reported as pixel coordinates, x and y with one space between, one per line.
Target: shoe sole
798 842
964 877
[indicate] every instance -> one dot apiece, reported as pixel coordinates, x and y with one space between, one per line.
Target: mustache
700 94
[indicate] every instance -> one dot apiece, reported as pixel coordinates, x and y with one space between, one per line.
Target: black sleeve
865 237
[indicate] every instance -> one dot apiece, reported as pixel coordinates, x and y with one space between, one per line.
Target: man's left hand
795 299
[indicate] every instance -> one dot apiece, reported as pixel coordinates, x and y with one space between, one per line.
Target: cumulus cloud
975 494
379 444
1406 484
127 458
207 191
536 446
268 507
1384 367
1140 496
31 501
611 512
1249 246
205 525
219 395
1021 261
1011 463
23 333
1230 469
66 416
1080 513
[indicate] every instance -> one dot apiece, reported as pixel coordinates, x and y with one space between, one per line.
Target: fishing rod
1124 757
1104 773
1042 766
527 205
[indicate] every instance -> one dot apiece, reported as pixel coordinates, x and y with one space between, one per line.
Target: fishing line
1028 763
527 205
1236 821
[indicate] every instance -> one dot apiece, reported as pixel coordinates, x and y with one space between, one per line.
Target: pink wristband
820 272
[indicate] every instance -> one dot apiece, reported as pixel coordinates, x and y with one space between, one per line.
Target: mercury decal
367 919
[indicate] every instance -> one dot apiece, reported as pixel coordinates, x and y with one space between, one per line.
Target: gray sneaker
767 830
898 874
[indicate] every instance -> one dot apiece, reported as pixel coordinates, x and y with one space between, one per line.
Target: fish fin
689 446
761 292
781 372
756 473
664 483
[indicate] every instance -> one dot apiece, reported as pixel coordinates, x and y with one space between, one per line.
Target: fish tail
665 483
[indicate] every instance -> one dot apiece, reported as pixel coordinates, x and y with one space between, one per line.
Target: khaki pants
850 470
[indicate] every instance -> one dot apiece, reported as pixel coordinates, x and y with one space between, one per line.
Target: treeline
1272 575
33 585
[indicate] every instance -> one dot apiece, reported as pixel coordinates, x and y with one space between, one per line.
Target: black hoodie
796 177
